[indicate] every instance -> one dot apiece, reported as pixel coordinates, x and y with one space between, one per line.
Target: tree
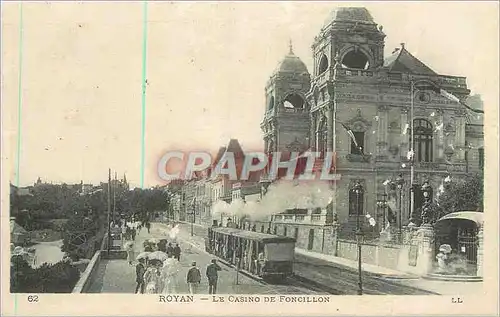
462 195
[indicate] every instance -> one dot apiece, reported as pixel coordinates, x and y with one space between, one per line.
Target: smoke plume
279 197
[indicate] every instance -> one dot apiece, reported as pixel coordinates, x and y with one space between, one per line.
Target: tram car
264 255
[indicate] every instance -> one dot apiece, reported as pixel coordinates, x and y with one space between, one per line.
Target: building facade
391 106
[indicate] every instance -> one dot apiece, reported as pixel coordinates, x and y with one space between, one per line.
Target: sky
207 65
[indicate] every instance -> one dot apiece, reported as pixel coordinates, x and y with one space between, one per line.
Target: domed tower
349 39
286 120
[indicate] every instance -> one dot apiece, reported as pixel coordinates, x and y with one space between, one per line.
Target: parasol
142 255
445 248
158 255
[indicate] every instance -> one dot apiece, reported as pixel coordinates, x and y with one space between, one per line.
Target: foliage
57 278
462 195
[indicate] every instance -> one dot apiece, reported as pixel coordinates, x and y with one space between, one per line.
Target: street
117 276
333 278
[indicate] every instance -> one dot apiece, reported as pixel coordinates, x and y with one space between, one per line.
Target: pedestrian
177 252
130 252
140 269
170 250
152 277
212 276
193 278
148 226
133 233
170 270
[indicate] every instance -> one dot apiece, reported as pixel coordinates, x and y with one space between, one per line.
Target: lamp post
400 184
426 191
358 190
382 204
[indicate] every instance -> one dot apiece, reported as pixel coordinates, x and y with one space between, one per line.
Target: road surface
331 277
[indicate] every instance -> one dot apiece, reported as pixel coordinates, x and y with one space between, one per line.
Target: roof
350 14
402 61
292 64
16 229
264 237
475 102
475 216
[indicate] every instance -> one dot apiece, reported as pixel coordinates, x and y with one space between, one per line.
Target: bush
57 278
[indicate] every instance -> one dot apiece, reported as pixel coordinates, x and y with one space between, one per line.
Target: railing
88 275
443 80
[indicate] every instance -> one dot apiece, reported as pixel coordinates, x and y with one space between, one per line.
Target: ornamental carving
353 181
359 123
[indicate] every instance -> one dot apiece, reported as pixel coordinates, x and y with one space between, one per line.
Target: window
296 233
275 229
262 229
284 231
360 139
422 140
270 106
355 59
353 199
293 101
323 64
481 157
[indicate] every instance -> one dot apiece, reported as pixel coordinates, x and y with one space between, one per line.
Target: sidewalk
370 268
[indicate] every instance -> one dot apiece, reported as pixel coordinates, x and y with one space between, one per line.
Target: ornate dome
350 14
291 64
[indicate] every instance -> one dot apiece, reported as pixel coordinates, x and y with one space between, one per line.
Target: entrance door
311 239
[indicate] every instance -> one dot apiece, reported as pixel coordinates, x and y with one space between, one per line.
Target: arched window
355 59
322 136
353 202
323 64
293 101
270 106
422 140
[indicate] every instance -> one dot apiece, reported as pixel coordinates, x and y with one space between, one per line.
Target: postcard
249 158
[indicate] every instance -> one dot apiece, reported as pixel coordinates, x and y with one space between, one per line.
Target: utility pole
114 198
109 211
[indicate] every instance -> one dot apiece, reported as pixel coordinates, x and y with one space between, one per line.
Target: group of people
154 276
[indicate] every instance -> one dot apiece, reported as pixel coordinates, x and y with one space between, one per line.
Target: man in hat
193 278
140 269
213 276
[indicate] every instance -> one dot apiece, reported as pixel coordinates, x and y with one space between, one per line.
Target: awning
475 216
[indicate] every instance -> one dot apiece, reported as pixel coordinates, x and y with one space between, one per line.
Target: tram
264 255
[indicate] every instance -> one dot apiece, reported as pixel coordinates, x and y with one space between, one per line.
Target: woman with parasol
152 276
170 271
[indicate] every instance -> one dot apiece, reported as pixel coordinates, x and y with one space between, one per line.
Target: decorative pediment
295 146
359 123
353 182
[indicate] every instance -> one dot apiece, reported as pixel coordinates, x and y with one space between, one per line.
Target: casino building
353 85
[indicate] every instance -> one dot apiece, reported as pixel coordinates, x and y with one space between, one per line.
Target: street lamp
358 190
400 184
382 204
426 191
